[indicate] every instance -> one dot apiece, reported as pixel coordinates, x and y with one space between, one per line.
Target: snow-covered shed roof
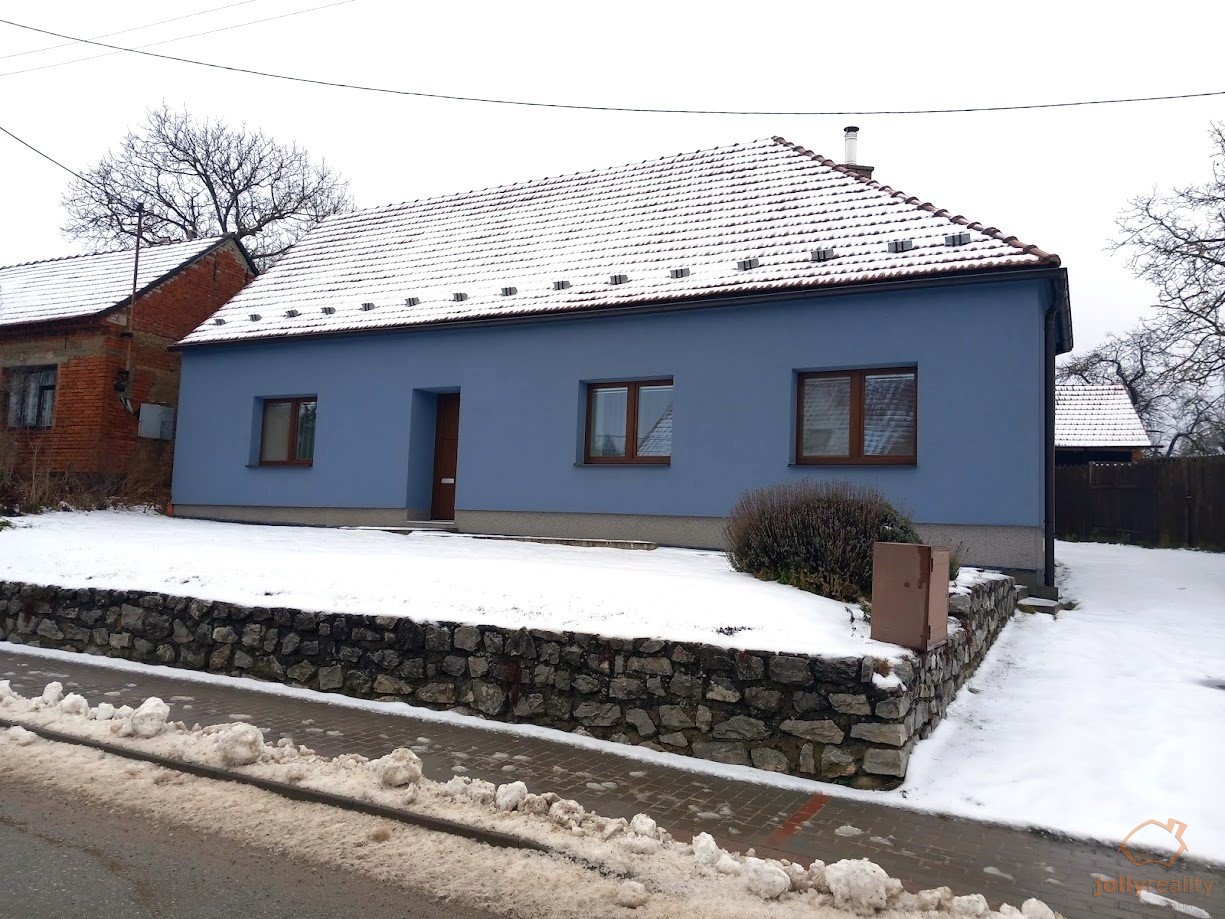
749 218
1096 416
77 286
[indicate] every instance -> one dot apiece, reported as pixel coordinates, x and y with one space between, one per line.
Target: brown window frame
295 404
631 457
856 457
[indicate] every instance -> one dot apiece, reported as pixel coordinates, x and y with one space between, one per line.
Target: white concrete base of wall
691 532
302 516
1013 548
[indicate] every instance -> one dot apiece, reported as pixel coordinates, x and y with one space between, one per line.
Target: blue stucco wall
978 348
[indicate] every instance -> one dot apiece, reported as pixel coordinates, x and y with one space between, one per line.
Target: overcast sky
1055 178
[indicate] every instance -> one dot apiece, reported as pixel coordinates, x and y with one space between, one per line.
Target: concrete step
414 526
1040 605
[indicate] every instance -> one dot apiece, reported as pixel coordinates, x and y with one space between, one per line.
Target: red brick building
69 332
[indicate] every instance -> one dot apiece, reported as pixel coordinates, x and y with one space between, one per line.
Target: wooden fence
1164 502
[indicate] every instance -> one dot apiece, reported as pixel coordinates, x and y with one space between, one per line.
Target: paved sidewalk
923 850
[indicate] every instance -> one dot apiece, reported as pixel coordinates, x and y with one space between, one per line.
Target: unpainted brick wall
92 432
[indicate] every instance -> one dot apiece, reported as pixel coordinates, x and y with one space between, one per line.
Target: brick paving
923 850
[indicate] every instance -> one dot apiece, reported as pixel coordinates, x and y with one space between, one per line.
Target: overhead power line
47 156
167 41
290 78
147 25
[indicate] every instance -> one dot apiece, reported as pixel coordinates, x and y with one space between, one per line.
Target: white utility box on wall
156 422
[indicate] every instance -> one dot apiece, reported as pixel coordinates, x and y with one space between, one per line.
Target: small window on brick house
287 436
31 396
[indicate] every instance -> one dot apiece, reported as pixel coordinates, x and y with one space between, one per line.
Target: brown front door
446 456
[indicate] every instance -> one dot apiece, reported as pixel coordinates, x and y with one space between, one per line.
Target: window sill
860 464
631 465
280 465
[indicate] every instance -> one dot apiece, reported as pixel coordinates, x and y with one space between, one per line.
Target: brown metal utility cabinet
910 594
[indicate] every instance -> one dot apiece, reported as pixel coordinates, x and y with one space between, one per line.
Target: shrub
817 537
29 485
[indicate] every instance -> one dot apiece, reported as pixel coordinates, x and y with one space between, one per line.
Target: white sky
1054 178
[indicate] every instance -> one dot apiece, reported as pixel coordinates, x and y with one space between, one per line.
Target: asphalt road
67 859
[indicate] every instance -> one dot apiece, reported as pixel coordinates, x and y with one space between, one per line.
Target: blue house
622 353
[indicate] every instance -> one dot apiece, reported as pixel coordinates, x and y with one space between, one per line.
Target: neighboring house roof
744 219
1096 416
658 440
79 286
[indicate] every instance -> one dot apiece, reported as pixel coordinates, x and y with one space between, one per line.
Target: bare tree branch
1173 365
203 178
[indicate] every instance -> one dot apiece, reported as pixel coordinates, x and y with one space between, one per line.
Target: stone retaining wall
840 719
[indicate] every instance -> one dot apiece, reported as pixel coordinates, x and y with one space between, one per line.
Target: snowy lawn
1111 715
679 594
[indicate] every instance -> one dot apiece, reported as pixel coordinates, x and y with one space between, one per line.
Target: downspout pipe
1057 339
1048 453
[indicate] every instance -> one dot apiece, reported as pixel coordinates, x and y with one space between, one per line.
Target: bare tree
1173 364
203 178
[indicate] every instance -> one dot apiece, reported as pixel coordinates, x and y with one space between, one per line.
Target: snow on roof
1096 416
732 220
85 285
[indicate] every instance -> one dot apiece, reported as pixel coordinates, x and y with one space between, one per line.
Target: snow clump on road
509 796
857 883
74 704
150 717
240 744
398 768
21 736
655 872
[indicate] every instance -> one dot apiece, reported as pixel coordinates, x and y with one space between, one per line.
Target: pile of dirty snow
648 862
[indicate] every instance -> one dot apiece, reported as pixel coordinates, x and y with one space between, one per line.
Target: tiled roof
1096 416
732 220
85 285
658 440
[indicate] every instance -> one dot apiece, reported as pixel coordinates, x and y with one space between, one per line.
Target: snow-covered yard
680 594
1089 724
1108 716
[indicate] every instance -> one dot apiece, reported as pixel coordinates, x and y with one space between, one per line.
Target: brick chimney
851 153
